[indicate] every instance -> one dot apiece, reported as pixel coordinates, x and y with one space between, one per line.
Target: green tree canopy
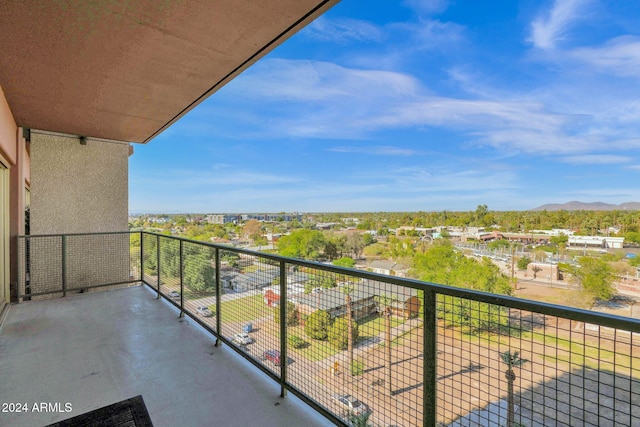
595 276
338 333
317 325
303 243
523 262
292 314
442 264
198 274
345 262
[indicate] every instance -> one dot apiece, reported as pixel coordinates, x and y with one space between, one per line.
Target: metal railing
420 354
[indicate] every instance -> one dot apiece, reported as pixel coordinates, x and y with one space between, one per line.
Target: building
596 242
404 301
389 267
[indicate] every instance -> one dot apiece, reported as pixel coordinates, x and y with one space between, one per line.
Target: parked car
351 404
242 339
273 356
204 311
174 295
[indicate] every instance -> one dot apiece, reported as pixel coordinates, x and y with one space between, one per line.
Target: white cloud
619 56
597 159
312 99
377 150
427 7
302 80
342 30
426 35
547 30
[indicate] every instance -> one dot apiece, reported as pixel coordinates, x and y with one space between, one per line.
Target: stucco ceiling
126 70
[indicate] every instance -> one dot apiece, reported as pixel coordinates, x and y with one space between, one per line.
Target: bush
292 314
296 342
317 325
339 333
523 263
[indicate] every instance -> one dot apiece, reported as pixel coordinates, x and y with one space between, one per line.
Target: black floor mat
128 413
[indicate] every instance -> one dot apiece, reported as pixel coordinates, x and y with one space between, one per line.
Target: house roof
257 278
385 264
332 298
126 70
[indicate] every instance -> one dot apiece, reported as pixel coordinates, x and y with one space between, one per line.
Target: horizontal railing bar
78 289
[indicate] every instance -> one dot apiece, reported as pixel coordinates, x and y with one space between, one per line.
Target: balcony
425 354
95 349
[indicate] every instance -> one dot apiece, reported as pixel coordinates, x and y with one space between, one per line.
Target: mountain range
593 206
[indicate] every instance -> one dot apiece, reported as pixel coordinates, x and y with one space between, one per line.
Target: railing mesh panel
49 266
246 318
496 363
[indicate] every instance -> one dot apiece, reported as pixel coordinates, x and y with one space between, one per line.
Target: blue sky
416 106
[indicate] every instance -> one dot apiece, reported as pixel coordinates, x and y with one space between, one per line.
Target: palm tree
512 360
347 289
384 306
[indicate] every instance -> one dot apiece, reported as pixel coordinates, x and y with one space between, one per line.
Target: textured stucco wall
78 188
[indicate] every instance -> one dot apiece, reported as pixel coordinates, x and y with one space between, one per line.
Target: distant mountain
593 206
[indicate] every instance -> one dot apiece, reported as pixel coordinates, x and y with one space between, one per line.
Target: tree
292 314
368 239
339 336
442 264
334 245
523 263
359 420
384 306
305 244
536 270
319 281
355 244
595 276
317 325
198 274
512 360
348 289
252 229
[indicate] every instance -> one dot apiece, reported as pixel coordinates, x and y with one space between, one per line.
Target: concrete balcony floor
95 349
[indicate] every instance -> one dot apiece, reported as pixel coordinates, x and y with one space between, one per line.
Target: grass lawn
314 350
244 309
372 326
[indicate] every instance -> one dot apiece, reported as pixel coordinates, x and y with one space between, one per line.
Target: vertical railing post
429 361
64 265
283 328
218 291
158 264
181 278
141 256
